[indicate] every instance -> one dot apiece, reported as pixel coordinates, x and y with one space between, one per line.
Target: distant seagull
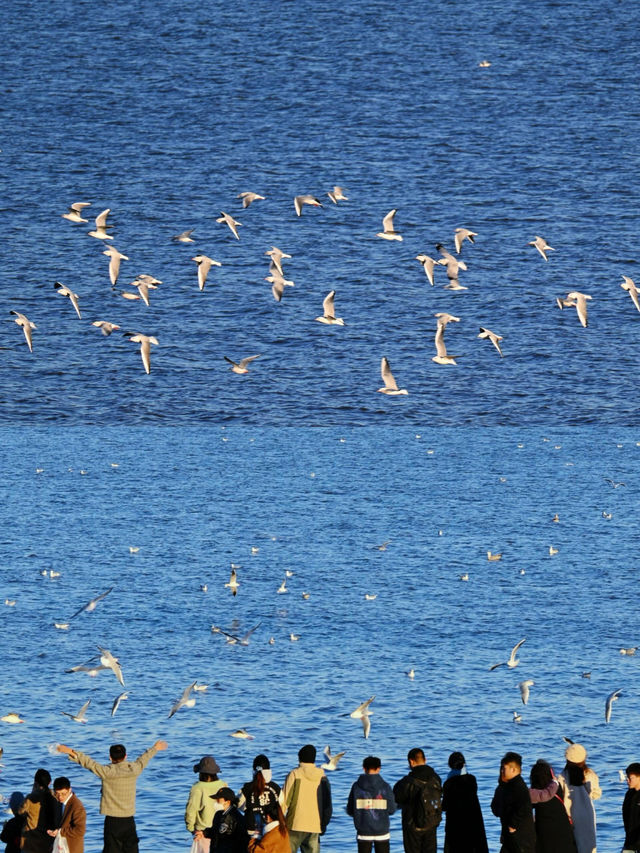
580 301
541 245
613 483
73 297
337 194
493 557
204 587
249 197
428 265
388 232
145 342
184 701
586 675
288 573
306 596
517 718
227 219
442 356
552 551
411 673
278 282
81 716
27 327
453 265
484 64
118 700
114 263
462 234
144 287
489 335
276 256
464 577
233 582
301 200
184 236
200 688
611 698
61 626
328 312
630 651
524 690
12 718
283 587
629 285
90 606
513 660
100 232
294 637
105 326
332 760
390 386
607 515
556 518
108 660
383 545
74 214
363 713
370 596
240 366
204 265
241 734
233 639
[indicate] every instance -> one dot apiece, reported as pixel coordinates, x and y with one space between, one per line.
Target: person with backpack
370 803
512 804
419 794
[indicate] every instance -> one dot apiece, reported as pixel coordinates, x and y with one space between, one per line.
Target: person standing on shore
307 797
581 787
512 804
201 805
73 823
631 809
370 804
419 793
118 793
41 812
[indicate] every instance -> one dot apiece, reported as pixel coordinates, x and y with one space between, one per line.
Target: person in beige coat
307 799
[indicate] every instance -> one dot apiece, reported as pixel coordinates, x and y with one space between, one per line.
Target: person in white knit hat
581 787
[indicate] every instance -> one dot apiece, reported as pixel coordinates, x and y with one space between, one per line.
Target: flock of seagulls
144 284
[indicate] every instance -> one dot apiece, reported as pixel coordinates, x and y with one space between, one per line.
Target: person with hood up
370 804
307 799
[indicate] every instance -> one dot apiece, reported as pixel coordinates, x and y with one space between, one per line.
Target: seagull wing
101 218
387 222
327 305
245 361
387 376
514 651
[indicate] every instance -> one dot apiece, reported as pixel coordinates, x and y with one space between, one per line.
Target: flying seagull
301 200
332 760
90 606
27 326
240 366
541 245
390 384
524 689
363 713
513 660
184 700
611 698
118 700
81 716
388 232
108 660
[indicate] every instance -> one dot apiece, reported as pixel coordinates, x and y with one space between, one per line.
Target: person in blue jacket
370 803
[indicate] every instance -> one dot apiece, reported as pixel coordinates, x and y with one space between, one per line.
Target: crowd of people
553 814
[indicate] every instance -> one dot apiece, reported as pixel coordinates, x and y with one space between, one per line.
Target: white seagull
118 700
27 327
629 285
276 256
114 263
328 313
611 698
337 194
363 713
240 366
453 265
74 214
73 297
462 234
388 232
204 265
541 245
81 716
428 265
513 660
145 342
301 200
101 229
105 326
231 222
390 385
491 336
184 701
581 305
233 582
249 197
108 660
184 236
332 760
90 606
524 689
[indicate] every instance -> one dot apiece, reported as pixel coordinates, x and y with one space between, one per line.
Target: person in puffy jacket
370 804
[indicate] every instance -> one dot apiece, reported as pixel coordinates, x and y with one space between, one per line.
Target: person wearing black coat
228 832
512 804
406 792
464 825
631 809
554 833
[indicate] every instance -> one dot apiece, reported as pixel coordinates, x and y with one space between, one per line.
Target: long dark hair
273 812
541 775
260 763
575 773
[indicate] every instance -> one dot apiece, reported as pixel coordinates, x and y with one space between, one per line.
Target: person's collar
269 826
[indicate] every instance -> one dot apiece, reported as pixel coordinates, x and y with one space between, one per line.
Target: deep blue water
164 112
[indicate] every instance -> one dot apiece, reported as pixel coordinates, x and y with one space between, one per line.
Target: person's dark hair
42 778
512 758
371 762
60 783
261 762
415 754
307 754
272 812
575 773
259 783
456 761
208 777
117 752
633 768
541 775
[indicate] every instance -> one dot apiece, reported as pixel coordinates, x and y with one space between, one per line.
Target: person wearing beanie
12 829
201 807
258 794
512 804
631 809
370 804
307 798
464 830
581 787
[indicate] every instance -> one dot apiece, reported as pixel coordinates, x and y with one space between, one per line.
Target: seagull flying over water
541 245
611 698
462 234
73 297
524 689
240 366
81 716
184 236
388 232
90 606
74 214
390 385
332 760
231 222
629 285
363 713
26 326
301 200
337 194
101 229
108 660
184 701
328 312
118 700
491 336
233 582
145 342
428 265
276 256
513 660
580 302
204 265
249 197
105 326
